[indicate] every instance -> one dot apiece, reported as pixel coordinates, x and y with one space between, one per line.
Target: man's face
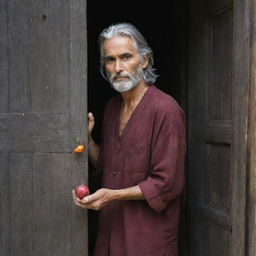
123 64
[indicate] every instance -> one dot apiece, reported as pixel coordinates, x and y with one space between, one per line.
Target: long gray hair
127 29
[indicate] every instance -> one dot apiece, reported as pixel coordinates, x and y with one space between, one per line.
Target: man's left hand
95 201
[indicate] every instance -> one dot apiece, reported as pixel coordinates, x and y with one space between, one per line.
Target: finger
88 199
76 199
90 116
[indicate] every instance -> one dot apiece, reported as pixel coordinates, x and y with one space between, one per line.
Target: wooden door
42 118
217 127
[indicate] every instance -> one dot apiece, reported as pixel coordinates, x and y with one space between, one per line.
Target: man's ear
145 61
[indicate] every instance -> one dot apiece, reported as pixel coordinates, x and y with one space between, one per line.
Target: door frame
251 146
240 108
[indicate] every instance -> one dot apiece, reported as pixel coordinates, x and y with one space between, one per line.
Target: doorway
166 35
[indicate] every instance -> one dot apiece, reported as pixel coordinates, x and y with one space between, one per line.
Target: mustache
120 75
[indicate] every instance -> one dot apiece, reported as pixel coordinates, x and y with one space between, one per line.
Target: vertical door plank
59 225
78 71
79 224
4 61
59 56
39 47
18 35
61 201
5 224
51 204
240 108
21 173
251 190
78 115
42 204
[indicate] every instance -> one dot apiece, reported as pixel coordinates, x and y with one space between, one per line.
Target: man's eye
126 57
110 60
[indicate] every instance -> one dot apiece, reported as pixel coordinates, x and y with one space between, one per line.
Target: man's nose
118 66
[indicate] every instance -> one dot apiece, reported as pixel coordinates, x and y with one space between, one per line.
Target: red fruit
82 191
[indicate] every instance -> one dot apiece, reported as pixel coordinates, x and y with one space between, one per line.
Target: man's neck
132 98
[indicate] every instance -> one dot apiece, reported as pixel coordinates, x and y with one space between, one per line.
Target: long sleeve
166 178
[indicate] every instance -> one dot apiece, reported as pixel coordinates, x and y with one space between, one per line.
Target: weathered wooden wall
43 106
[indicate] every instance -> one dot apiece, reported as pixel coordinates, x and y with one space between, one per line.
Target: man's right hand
91 123
93 147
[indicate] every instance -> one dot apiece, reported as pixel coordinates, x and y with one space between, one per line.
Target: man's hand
93 147
104 196
91 123
97 200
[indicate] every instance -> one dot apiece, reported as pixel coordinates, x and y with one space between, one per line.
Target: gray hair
127 29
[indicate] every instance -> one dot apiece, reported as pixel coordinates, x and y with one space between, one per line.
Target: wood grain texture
35 132
4 56
54 213
5 210
39 54
251 179
78 115
59 55
211 131
18 41
43 116
241 75
21 204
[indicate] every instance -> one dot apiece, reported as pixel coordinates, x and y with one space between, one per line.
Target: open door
165 34
217 126
42 118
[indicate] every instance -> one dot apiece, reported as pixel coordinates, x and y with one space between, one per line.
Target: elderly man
141 155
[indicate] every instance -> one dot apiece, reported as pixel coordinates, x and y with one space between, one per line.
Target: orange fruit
79 149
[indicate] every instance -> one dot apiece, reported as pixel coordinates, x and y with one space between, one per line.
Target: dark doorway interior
164 25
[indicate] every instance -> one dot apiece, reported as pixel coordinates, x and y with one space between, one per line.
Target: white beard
130 82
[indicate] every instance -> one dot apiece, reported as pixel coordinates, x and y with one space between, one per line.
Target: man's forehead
118 45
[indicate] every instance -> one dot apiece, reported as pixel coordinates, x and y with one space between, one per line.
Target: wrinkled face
123 64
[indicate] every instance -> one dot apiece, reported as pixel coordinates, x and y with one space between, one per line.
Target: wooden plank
40 144
218 5
210 130
78 111
59 226
39 50
216 240
5 225
21 173
198 36
18 35
51 204
41 125
251 190
35 132
37 124
216 216
61 203
59 56
241 70
4 61
79 217
78 72
218 132
4 135
42 204
220 84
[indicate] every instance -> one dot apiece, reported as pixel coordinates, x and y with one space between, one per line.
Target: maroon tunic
149 153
